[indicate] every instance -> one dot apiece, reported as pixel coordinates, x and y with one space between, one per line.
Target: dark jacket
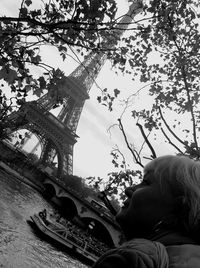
143 253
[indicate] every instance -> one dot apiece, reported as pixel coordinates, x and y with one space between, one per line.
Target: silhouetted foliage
162 52
58 24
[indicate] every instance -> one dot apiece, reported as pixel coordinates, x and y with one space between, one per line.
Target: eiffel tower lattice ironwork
57 134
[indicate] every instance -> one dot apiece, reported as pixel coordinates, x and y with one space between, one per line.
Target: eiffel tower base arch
55 138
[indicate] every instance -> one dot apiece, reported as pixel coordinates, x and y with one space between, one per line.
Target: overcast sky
92 150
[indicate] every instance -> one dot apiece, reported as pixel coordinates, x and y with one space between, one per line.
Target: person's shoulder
143 245
135 253
185 255
169 238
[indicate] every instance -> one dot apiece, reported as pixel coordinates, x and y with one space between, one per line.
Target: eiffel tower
57 134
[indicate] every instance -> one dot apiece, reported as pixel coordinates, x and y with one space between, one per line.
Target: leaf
37 92
27 88
116 92
99 99
28 2
23 12
9 75
42 82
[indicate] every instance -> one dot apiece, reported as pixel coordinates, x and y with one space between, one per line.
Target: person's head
169 193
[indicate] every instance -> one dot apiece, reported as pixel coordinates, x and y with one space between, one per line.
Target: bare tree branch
147 141
133 152
182 68
122 155
191 108
168 127
170 142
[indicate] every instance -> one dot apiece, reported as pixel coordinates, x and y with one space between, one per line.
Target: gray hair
182 175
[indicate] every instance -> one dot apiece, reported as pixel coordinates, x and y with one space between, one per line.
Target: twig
133 152
167 126
147 141
170 142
